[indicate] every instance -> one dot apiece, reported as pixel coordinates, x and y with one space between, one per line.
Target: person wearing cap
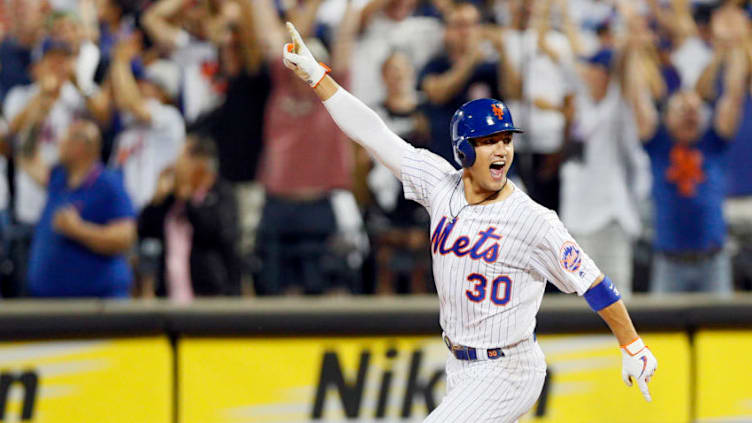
604 217
87 224
153 130
38 116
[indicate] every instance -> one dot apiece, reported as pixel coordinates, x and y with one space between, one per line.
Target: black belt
691 256
462 352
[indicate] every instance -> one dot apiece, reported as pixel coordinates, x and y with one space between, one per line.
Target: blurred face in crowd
204 18
398 73
598 78
26 19
493 158
462 29
66 28
151 90
81 142
400 9
108 10
55 64
521 11
191 168
683 118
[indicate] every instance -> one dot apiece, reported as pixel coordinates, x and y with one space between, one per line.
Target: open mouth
497 169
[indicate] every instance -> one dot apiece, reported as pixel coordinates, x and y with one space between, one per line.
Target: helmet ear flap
466 152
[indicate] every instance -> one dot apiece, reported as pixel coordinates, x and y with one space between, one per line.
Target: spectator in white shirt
538 54
154 130
189 32
386 26
603 216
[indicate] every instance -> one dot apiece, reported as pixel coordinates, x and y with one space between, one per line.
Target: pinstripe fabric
490 268
497 391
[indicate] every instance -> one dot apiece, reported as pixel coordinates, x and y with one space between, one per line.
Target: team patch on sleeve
570 257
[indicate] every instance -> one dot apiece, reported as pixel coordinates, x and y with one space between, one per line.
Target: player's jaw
493 158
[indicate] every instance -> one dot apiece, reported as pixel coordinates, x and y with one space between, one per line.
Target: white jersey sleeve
422 171
558 257
364 126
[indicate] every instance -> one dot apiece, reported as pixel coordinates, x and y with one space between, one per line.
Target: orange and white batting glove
638 363
298 58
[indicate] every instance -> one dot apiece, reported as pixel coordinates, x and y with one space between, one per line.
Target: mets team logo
498 111
569 257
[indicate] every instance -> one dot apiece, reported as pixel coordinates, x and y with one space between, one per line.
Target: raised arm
637 93
734 90
156 21
510 84
440 88
253 55
571 30
705 85
344 41
127 95
354 118
112 238
676 20
370 10
268 27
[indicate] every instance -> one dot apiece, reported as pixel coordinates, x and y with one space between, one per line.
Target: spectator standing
40 113
306 161
687 158
87 224
463 72
189 32
153 130
194 215
237 123
387 26
602 189
399 226
547 101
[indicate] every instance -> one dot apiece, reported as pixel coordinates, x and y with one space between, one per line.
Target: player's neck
475 194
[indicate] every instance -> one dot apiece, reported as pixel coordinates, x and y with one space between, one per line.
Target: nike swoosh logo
644 365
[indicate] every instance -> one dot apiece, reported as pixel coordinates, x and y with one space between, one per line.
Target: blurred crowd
160 148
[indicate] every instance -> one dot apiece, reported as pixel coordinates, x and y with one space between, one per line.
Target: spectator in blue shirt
462 72
87 225
688 164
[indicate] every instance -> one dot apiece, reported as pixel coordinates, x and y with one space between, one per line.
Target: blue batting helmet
475 119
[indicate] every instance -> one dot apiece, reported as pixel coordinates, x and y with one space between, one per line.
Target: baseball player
493 251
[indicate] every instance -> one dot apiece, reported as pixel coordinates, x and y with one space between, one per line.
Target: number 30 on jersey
501 289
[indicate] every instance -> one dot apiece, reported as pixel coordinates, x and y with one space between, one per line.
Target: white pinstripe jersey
492 263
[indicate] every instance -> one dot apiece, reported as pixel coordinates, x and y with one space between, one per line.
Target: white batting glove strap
638 363
302 61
